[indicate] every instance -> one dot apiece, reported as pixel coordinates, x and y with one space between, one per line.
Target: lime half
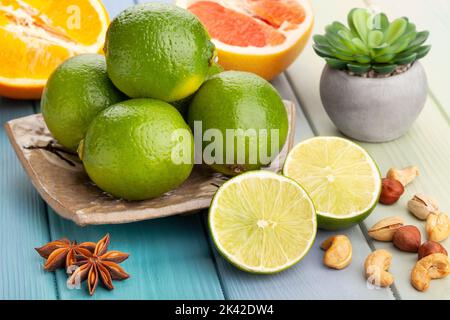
342 179
262 222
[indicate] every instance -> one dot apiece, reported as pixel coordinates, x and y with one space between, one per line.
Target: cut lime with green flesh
342 179
262 222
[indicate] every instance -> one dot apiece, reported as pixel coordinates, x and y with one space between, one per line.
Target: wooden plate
60 179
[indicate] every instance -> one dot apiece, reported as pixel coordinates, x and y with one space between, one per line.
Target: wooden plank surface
309 279
23 221
425 145
173 259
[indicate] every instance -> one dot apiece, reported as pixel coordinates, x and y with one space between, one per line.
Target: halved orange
37 35
260 36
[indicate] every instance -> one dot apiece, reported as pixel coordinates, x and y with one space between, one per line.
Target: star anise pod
61 253
99 265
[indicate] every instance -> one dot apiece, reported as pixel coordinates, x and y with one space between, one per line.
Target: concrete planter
374 110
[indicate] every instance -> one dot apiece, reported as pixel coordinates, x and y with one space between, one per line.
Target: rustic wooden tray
60 179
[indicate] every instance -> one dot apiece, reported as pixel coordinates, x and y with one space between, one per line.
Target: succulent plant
371 42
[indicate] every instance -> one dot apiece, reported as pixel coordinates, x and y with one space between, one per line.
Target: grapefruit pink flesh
276 12
258 23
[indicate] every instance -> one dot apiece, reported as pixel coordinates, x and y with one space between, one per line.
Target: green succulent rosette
371 42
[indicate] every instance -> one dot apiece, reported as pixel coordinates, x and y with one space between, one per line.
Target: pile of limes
127 113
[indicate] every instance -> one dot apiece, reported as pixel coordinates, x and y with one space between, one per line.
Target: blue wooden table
173 258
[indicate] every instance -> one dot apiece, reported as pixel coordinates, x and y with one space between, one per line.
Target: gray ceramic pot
374 110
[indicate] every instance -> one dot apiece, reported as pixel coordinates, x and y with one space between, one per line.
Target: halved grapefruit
260 36
37 35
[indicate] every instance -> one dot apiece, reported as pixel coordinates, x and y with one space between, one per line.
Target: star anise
61 253
99 265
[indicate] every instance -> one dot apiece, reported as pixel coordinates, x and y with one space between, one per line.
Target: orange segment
260 36
72 17
37 35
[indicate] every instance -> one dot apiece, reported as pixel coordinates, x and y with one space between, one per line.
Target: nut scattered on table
434 266
384 229
338 253
407 238
430 247
391 191
421 206
376 266
405 175
438 227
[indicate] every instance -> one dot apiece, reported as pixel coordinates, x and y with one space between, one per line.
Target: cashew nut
376 266
338 253
405 175
434 266
438 227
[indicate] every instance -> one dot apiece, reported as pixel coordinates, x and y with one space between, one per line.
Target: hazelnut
430 247
407 238
391 191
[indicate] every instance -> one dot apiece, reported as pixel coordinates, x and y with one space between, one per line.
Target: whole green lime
138 149
157 50
75 93
214 69
243 121
183 104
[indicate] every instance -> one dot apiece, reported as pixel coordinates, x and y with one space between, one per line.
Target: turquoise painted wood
170 259
23 221
173 258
